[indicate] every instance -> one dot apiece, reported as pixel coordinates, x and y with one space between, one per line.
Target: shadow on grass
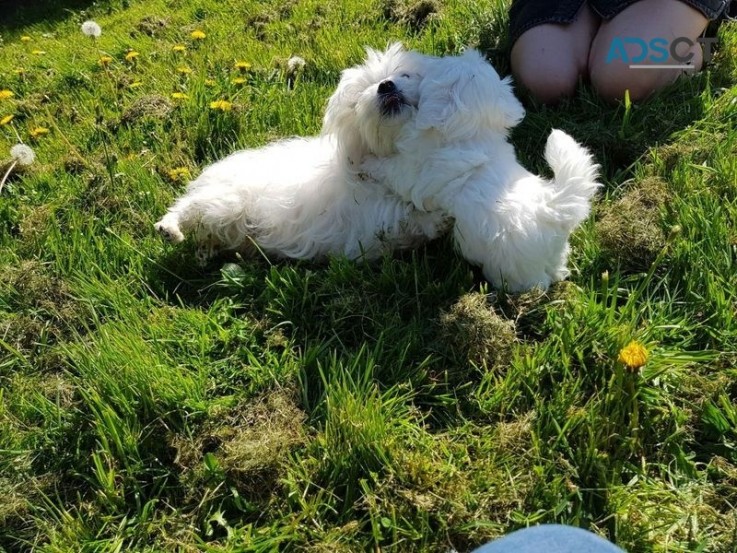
424 320
17 14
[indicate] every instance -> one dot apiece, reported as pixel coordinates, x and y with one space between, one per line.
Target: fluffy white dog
409 142
306 197
454 156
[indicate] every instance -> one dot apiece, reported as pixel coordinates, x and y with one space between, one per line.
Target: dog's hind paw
169 231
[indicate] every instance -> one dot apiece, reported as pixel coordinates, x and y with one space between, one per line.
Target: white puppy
454 156
306 197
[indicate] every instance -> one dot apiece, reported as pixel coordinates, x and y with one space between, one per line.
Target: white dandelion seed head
22 154
295 63
91 28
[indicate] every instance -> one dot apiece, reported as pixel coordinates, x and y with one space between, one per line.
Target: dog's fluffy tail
575 177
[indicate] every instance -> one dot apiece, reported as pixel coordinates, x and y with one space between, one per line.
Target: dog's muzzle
391 100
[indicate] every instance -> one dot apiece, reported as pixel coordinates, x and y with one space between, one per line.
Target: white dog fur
305 197
409 141
454 156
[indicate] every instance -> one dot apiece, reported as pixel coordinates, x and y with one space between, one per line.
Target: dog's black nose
387 87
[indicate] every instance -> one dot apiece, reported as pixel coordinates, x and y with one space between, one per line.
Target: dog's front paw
169 231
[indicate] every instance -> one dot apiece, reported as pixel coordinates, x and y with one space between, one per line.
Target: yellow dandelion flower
5 94
38 52
135 84
19 71
197 34
633 355
184 70
39 131
239 81
178 173
209 82
105 60
242 65
5 120
179 48
179 95
25 38
131 56
221 105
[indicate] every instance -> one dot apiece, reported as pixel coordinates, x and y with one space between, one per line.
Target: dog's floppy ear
462 95
340 112
340 117
342 120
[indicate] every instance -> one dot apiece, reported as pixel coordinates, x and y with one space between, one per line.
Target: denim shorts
525 14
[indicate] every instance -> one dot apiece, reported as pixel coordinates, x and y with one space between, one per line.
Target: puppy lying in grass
410 143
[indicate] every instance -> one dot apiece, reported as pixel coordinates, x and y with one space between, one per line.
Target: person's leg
646 20
549 59
550 538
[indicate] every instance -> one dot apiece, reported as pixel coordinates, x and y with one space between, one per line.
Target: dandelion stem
16 133
632 393
58 132
7 174
108 162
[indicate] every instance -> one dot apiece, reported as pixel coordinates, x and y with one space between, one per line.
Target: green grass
255 405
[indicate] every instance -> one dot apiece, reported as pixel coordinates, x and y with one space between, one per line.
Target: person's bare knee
550 59
647 20
548 80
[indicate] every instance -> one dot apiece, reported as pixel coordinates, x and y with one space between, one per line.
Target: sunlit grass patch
475 329
242 444
630 229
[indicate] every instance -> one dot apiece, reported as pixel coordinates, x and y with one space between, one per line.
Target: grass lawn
404 405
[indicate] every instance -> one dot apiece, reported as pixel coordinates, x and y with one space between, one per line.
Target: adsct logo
658 52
